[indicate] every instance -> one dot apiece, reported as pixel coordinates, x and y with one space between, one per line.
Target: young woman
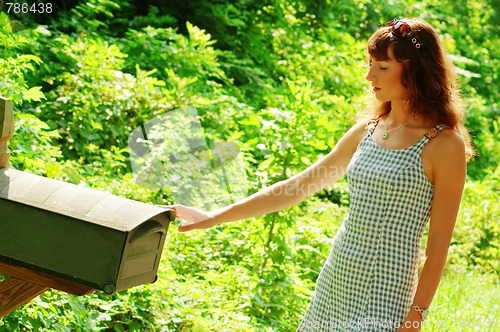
405 165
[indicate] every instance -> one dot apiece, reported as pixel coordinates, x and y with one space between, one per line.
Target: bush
283 80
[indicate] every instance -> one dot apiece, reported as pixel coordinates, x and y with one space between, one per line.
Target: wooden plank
6 130
15 293
44 280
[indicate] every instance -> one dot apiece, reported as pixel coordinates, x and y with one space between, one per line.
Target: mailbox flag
171 152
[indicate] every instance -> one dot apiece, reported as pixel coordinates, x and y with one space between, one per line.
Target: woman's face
386 77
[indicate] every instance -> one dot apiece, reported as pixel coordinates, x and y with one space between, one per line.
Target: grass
465 302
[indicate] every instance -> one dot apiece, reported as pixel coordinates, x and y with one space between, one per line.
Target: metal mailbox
83 235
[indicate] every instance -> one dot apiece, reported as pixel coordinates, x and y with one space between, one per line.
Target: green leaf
34 94
30 57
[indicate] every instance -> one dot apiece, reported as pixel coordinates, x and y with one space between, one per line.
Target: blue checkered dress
369 279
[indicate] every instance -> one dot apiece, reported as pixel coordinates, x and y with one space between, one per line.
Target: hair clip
403 30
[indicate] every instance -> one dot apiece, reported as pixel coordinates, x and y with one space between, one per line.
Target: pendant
384 136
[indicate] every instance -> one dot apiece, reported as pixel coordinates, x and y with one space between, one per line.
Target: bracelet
423 312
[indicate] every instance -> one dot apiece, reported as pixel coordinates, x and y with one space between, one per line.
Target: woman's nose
369 75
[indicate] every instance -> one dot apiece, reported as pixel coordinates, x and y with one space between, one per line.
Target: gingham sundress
369 279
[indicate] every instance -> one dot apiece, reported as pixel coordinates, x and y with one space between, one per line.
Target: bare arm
283 194
449 172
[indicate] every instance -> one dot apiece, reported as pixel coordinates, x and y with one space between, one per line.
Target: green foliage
466 301
105 98
31 146
283 80
476 241
14 64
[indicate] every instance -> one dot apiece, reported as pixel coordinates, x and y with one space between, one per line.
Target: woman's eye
383 68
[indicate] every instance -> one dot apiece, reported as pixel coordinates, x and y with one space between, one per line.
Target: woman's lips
375 89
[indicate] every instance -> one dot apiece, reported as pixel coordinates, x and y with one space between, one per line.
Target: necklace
387 131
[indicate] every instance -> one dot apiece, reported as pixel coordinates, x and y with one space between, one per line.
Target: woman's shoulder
447 143
364 122
352 137
359 129
444 136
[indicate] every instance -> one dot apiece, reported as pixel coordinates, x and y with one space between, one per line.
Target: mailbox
79 234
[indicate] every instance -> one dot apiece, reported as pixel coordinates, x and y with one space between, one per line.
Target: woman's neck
400 113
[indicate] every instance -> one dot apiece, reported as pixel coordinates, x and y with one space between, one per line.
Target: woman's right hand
198 219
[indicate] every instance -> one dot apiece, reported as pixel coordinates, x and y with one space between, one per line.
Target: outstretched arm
283 194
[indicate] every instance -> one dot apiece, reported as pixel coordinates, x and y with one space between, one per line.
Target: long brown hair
428 75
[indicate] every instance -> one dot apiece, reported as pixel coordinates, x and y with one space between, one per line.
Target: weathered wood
6 130
43 280
16 292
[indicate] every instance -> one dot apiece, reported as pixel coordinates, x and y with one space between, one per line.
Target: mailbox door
142 254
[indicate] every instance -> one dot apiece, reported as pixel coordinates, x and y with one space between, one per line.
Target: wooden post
16 292
24 284
45 280
6 130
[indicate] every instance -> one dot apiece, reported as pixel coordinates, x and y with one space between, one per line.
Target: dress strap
433 132
372 124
